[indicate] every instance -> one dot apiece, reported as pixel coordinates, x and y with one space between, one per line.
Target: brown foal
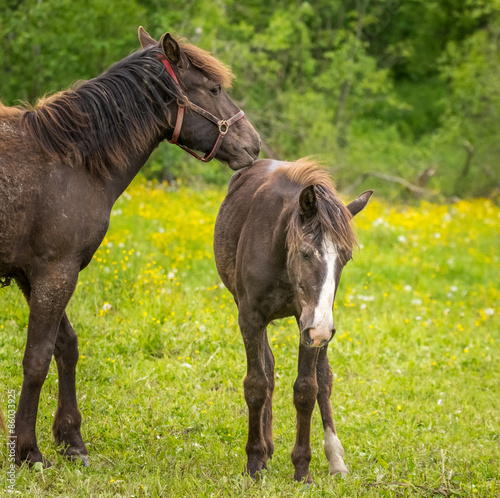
282 238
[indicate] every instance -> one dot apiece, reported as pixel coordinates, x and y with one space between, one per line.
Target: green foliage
310 75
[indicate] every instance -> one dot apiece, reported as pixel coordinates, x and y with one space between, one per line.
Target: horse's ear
357 205
145 39
308 202
171 48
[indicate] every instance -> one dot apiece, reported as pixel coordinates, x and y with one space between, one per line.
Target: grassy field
415 360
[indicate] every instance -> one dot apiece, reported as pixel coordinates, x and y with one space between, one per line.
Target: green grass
415 361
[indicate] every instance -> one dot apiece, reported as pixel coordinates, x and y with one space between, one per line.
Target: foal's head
320 241
203 80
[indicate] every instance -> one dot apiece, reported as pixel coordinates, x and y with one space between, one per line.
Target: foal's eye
215 90
304 255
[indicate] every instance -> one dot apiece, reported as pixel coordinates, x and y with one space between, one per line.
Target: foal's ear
356 206
145 39
308 202
171 48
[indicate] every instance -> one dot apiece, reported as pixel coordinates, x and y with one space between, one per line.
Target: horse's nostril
333 332
306 338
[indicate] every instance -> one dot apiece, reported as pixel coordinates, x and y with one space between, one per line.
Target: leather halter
223 124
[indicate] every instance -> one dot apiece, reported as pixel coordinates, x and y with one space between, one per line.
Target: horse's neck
119 180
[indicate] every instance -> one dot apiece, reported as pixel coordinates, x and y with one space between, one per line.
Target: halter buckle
223 127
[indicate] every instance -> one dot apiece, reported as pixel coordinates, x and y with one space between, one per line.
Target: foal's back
250 213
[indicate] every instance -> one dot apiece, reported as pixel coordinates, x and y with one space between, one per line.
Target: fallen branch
392 179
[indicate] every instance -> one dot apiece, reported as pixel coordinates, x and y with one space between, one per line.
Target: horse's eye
215 90
304 255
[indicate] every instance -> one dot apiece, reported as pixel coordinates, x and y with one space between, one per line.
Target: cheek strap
223 124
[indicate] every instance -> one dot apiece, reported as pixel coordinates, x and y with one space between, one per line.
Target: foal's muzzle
315 338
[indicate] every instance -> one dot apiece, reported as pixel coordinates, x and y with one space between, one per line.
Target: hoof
73 454
34 459
253 475
338 468
39 465
254 468
306 479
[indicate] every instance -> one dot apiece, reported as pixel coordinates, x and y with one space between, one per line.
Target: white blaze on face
334 453
323 319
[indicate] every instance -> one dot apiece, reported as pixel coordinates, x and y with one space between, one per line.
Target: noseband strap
223 124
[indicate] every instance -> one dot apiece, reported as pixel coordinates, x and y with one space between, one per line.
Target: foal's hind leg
67 421
305 391
48 292
267 415
333 448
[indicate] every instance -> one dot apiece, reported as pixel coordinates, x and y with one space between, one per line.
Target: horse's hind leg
67 421
305 391
48 292
333 448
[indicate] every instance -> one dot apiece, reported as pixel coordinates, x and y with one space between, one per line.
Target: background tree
401 88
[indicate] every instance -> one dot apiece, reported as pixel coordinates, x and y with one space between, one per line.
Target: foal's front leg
333 448
305 391
257 389
66 428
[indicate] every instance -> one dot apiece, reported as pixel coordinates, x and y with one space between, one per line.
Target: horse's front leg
305 391
66 428
257 388
333 448
48 293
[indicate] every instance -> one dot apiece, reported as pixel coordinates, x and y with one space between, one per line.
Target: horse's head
324 241
207 119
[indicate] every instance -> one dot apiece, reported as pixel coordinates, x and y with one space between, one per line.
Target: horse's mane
9 112
100 123
332 219
213 68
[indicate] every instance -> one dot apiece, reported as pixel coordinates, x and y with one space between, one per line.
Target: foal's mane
332 218
100 123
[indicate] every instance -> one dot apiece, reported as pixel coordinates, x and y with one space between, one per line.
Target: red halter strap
223 124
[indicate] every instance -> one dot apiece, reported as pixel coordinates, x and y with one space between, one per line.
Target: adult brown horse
282 237
64 163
